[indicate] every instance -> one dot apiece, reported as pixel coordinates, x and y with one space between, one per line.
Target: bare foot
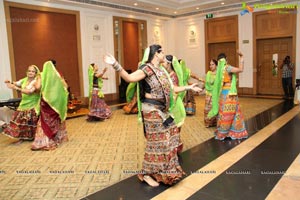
148 179
18 142
140 177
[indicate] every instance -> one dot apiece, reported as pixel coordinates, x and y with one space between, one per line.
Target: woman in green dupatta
225 102
24 120
209 83
131 106
51 128
174 69
99 110
188 96
155 92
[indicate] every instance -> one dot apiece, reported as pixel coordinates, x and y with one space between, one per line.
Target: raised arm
102 73
241 65
133 77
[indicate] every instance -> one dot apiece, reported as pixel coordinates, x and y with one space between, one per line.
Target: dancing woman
24 120
51 128
178 112
155 92
225 102
209 83
99 110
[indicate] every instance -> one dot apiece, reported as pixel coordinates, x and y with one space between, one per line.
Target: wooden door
130 41
229 48
51 35
130 45
267 82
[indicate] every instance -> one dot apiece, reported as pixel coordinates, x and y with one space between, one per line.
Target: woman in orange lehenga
155 91
24 120
51 129
225 101
131 106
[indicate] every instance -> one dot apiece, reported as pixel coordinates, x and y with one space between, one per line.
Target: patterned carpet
97 155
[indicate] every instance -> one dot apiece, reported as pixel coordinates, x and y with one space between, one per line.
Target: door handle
259 67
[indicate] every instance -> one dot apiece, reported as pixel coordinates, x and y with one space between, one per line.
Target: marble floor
264 166
92 164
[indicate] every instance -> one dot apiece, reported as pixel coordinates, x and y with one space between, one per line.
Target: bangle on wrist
115 63
117 67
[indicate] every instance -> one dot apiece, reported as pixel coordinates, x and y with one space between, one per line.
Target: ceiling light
222 3
175 12
135 4
156 8
197 8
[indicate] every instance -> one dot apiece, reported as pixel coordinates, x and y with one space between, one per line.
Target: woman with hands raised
155 95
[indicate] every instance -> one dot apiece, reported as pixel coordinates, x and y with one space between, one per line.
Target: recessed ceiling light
156 8
175 12
222 3
197 8
135 4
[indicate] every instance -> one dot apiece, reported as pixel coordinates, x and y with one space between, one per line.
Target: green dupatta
30 101
130 91
171 103
100 84
186 74
217 88
178 110
54 91
209 82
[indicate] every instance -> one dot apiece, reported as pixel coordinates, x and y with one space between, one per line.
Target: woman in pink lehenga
99 110
51 128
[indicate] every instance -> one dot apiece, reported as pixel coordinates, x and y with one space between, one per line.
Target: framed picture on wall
192 37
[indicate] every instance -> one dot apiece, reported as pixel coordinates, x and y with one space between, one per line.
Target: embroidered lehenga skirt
209 122
98 108
51 131
189 103
160 158
230 118
22 125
